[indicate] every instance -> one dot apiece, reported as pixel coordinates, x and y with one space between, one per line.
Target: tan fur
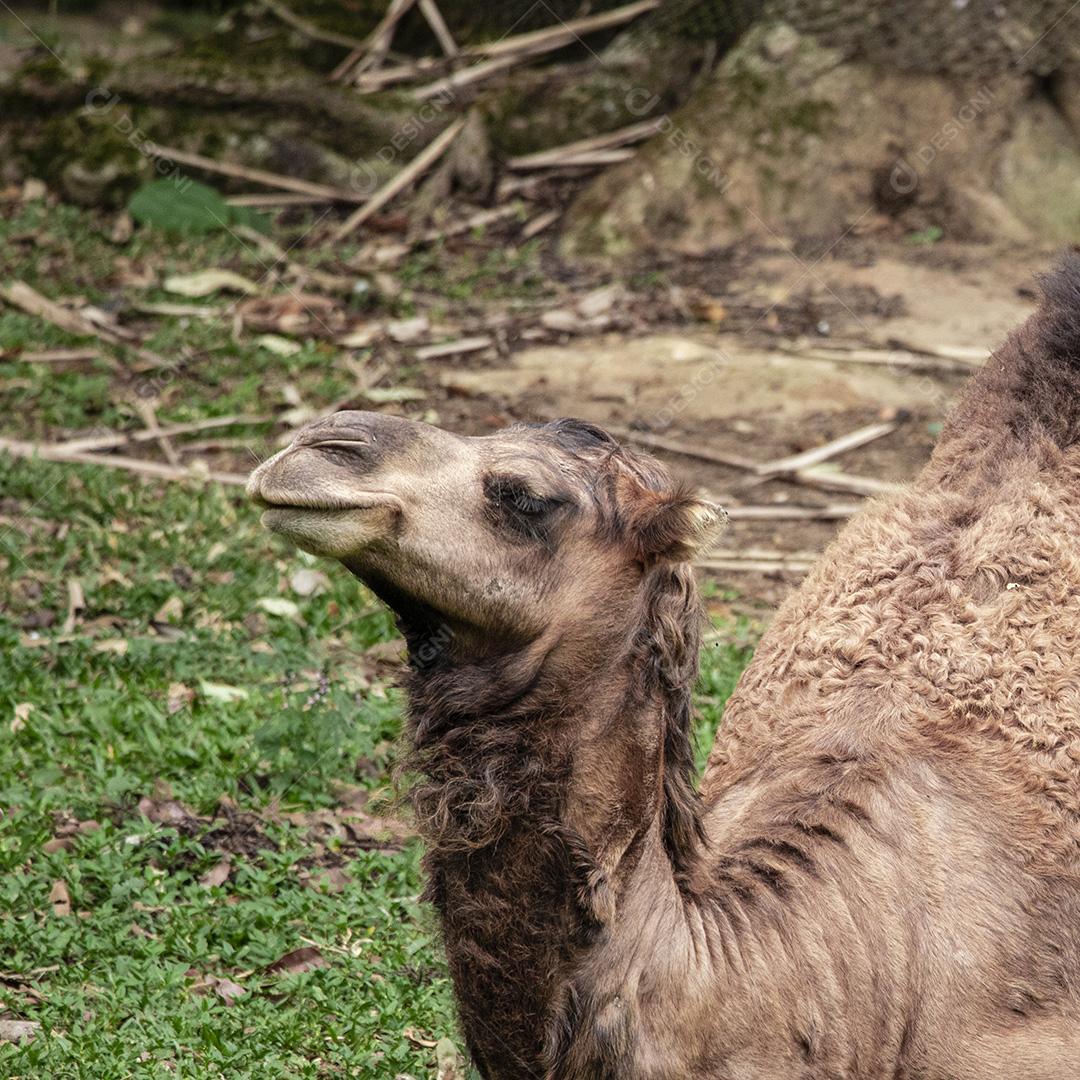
880 877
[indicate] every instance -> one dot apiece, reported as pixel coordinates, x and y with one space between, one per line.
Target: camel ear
673 525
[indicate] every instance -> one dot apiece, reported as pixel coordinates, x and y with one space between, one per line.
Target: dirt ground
753 390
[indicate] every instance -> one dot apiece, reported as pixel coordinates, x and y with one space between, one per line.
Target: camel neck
536 817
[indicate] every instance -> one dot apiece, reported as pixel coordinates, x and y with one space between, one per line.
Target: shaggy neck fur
538 803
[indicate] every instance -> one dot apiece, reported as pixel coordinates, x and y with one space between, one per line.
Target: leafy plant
181 205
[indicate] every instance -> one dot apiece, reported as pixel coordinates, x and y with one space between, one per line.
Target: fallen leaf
306 958
361 337
216 551
208 282
172 611
119 646
217 875
165 811
419 1039
309 582
224 988
18 1030
382 395
76 605
222 692
600 300
406 330
57 843
278 605
33 189
278 345
60 899
22 713
307 314
448 1060
177 697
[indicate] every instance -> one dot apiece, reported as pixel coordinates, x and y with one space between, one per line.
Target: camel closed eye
514 504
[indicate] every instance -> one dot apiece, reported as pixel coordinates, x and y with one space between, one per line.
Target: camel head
498 538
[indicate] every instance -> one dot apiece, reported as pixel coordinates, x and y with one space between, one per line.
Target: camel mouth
299 503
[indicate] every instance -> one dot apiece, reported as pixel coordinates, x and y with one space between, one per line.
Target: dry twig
558 155
123 438
21 295
154 469
257 176
431 12
427 157
309 29
818 454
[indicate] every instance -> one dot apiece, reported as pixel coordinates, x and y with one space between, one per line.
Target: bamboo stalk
21 295
123 438
257 176
779 512
453 348
431 12
309 29
276 198
427 157
152 469
674 446
555 156
818 454
755 566
153 428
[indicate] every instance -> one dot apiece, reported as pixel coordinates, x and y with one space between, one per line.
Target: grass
195 677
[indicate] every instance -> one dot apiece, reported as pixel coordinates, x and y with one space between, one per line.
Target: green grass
273 717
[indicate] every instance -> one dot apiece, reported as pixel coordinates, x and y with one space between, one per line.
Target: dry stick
659 442
453 348
571 30
273 250
830 481
498 55
21 295
474 221
450 84
309 29
556 155
539 223
257 176
430 10
374 49
154 469
149 418
122 438
895 358
53 356
844 482
372 81
750 566
275 198
588 160
754 554
830 449
428 156
780 512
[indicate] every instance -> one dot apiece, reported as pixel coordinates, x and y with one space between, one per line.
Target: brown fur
880 878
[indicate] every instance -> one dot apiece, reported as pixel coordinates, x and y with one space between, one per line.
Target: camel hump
1057 322
1029 391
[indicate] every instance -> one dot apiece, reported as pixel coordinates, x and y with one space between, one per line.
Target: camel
878 877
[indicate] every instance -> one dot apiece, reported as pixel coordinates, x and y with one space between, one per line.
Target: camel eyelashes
511 493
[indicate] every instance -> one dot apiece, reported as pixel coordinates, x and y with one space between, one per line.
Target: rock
790 139
779 43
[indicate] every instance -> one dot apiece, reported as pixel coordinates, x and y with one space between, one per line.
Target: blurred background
767 242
